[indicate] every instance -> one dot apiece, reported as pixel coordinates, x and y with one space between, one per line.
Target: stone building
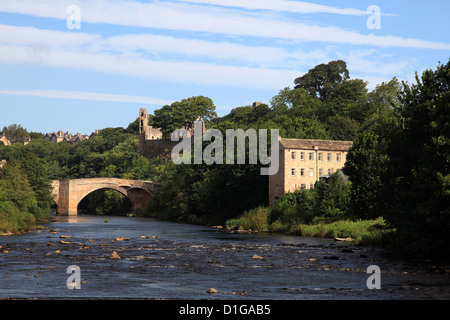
57 137
75 139
5 140
304 162
152 143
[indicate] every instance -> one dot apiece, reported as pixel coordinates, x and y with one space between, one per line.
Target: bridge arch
69 193
122 204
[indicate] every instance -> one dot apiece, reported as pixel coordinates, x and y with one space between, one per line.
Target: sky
82 65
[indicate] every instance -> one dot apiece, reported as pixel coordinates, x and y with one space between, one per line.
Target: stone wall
277 181
156 148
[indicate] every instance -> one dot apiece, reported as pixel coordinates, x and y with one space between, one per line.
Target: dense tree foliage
327 201
323 79
15 133
398 166
325 104
208 194
182 114
18 203
113 152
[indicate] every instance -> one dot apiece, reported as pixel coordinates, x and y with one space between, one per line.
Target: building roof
310 144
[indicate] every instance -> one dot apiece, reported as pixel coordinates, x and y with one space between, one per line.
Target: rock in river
211 290
115 256
122 239
256 256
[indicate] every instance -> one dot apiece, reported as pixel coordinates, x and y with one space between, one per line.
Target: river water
166 260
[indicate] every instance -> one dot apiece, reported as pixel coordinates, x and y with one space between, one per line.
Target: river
167 260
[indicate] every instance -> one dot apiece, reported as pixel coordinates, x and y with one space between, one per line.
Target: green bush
363 231
255 219
12 219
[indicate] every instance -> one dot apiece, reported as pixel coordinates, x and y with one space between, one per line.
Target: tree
384 99
400 167
346 99
323 79
420 160
17 200
182 114
332 198
36 170
342 128
15 133
299 100
367 168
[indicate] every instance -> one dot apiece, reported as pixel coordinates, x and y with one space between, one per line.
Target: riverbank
5 232
373 232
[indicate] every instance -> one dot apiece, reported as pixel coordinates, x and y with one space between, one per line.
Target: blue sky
128 54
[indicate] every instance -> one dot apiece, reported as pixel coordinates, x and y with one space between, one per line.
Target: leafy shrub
255 219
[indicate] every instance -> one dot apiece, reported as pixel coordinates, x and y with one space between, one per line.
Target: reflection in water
167 260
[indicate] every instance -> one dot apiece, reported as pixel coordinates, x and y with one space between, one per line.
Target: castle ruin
152 143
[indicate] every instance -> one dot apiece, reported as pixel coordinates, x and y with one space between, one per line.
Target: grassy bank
361 231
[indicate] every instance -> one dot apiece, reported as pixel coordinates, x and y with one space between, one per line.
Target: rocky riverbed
134 258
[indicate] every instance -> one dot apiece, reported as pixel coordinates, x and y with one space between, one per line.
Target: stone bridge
68 193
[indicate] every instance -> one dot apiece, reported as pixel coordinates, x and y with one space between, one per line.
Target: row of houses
54 137
57 137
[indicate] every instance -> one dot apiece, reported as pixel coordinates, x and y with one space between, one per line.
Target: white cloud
184 72
14 35
97 96
281 5
210 19
256 67
156 46
192 61
87 96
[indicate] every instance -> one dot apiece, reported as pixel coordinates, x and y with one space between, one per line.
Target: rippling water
165 260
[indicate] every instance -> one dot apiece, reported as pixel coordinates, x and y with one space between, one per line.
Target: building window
311 156
338 157
320 156
311 172
329 156
302 172
320 172
311 185
293 155
330 171
303 186
302 156
293 171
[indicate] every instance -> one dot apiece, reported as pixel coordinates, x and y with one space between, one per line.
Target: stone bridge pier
68 193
